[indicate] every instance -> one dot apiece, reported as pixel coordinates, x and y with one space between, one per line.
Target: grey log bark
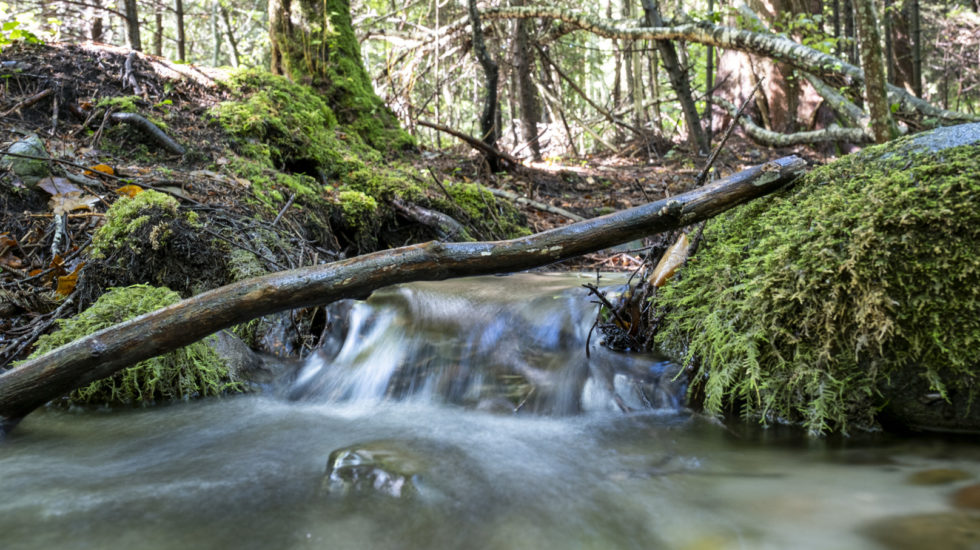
39 380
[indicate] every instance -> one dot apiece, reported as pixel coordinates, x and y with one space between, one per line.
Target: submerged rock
938 476
390 468
968 497
949 531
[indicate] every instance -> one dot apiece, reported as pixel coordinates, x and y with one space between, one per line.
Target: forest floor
63 95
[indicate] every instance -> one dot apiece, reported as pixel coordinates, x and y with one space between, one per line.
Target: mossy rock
192 371
811 305
149 239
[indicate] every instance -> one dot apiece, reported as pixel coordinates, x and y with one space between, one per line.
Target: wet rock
968 497
388 468
258 370
421 470
938 476
27 171
914 405
949 531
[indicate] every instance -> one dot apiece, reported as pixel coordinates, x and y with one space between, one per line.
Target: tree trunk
678 80
530 110
181 39
133 26
489 131
874 73
230 34
313 42
158 32
39 380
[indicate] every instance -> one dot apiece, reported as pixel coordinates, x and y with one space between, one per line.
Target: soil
38 255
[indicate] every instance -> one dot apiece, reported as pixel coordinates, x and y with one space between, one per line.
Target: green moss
125 104
192 371
499 219
804 303
323 50
127 216
358 208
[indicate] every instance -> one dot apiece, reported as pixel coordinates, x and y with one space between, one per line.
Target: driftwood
37 381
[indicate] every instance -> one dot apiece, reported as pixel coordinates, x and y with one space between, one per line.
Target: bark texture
37 381
874 72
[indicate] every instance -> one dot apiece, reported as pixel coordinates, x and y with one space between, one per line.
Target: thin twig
703 176
602 298
284 208
29 101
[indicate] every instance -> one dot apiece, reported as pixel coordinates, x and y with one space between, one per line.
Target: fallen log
37 381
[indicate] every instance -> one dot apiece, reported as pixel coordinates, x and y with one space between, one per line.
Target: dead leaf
66 284
130 190
104 168
66 202
675 257
6 240
58 186
10 260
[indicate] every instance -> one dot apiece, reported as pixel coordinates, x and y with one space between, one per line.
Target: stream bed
463 414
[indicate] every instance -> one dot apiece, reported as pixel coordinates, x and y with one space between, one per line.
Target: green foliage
193 371
16 27
804 303
128 215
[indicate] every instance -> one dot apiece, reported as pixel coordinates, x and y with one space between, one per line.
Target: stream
466 414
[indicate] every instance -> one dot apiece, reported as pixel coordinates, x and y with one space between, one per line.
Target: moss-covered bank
289 143
805 306
192 371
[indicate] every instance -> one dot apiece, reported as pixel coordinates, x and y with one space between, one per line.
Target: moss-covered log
103 353
856 290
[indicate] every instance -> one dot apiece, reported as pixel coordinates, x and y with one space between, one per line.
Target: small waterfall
508 344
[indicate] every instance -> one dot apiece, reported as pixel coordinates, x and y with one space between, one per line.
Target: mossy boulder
27 170
149 239
831 301
192 371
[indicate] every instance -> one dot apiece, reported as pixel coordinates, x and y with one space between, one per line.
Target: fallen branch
151 130
776 139
536 205
39 380
492 153
444 225
29 101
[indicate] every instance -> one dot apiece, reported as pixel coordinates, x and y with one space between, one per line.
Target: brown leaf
66 284
10 260
675 257
66 202
58 186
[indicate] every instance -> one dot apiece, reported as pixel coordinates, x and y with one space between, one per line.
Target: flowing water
465 414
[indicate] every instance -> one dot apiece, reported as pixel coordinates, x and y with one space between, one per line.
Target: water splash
503 345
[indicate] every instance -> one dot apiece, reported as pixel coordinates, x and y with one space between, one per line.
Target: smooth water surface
252 471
